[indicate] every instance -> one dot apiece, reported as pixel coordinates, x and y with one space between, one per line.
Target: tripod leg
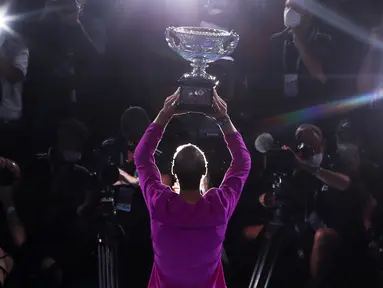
274 261
116 267
258 269
99 266
112 272
108 260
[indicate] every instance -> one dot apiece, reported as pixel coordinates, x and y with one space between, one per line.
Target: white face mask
291 18
347 151
317 159
71 156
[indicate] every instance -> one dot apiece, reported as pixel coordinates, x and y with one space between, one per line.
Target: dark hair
74 130
134 122
189 165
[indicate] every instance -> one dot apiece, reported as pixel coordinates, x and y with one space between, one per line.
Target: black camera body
281 164
282 161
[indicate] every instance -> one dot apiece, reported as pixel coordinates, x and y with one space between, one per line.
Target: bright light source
3 23
4 19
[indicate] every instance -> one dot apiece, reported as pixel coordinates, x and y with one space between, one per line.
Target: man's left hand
168 110
300 163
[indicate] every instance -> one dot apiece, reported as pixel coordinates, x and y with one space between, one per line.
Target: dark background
137 67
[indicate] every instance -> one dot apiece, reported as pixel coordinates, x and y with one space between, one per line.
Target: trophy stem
199 69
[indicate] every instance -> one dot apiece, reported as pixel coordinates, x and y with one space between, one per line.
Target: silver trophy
200 46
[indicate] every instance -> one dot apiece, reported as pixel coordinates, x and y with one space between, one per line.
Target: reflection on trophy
200 46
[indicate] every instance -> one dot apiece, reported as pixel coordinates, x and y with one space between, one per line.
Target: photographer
132 213
338 212
54 188
12 233
188 228
317 192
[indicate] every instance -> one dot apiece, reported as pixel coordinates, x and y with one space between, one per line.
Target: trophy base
196 95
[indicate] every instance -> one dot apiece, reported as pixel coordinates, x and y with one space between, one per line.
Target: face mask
317 159
347 151
291 18
71 156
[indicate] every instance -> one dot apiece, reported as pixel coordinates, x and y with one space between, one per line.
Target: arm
14 69
149 175
312 63
333 179
239 169
14 224
126 178
366 80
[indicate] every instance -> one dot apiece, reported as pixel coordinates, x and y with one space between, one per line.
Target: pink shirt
187 239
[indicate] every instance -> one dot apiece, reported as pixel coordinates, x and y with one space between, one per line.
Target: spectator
12 233
54 189
62 53
13 68
300 59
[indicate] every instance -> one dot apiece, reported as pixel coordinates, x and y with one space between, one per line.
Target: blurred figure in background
62 54
300 59
12 233
54 189
13 68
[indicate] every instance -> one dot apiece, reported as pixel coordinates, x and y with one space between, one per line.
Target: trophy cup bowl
200 46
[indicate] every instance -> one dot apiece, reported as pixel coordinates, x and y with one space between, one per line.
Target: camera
279 160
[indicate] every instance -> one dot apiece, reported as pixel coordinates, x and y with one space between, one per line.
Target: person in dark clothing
301 60
54 188
136 255
63 57
12 232
341 205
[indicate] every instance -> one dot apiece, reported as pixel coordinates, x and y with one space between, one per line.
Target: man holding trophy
188 229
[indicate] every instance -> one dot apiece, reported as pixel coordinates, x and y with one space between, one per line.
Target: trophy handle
231 43
172 39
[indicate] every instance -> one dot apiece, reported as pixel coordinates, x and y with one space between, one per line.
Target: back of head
134 122
189 166
72 134
311 136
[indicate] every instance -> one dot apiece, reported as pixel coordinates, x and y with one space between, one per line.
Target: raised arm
148 173
239 169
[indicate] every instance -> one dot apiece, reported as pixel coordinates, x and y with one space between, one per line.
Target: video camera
279 159
280 164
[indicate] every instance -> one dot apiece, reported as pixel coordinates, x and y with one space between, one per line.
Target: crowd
173 222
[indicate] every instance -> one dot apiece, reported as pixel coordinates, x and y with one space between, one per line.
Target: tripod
279 240
107 251
108 242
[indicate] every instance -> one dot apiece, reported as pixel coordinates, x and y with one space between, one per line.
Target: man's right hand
219 106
